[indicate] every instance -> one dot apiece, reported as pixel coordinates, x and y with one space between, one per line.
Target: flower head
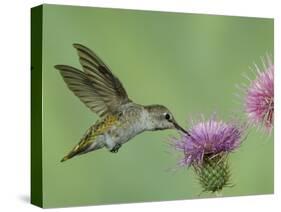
259 99
209 137
206 150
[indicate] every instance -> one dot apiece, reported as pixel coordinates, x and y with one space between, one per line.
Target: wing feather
106 84
95 86
78 82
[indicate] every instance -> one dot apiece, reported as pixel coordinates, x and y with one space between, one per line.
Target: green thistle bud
214 173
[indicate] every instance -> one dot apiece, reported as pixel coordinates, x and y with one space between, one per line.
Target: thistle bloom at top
208 137
259 99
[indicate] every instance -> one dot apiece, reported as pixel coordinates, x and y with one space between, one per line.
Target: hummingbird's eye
167 116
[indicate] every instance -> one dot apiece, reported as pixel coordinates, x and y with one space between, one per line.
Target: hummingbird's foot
115 148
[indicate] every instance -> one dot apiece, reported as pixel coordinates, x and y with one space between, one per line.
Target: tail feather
75 151
78 150
80 147
64 158
68 156
89 142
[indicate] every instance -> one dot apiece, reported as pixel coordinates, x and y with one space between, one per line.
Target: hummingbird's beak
177 126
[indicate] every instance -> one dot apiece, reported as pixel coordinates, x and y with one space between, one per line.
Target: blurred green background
188 62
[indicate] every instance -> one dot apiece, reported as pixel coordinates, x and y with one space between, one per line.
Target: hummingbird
103 93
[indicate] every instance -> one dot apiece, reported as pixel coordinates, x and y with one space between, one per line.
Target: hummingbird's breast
131 122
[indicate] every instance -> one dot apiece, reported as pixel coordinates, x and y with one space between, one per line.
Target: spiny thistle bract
259 98
214 173
207 149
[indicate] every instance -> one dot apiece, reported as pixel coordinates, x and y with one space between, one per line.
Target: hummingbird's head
161 118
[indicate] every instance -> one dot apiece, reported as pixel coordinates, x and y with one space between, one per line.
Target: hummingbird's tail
64 159
68 156
89 142
77 150
83 147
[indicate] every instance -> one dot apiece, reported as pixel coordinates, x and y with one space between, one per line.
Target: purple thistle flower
209 137
259 99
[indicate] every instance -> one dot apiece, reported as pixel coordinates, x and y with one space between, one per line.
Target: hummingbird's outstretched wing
96 86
